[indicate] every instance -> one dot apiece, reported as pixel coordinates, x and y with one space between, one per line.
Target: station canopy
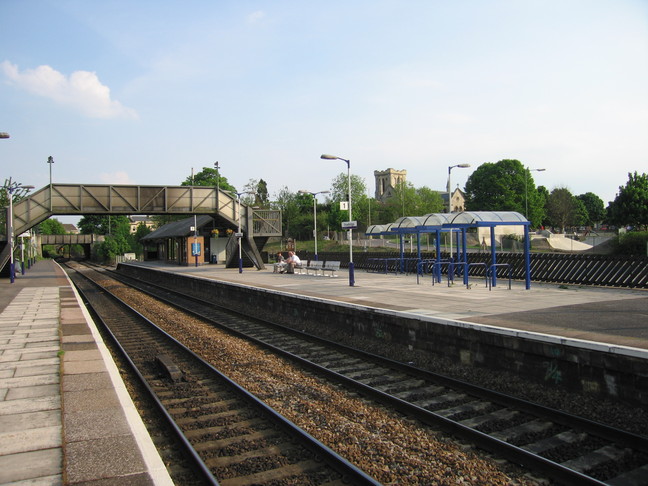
447 221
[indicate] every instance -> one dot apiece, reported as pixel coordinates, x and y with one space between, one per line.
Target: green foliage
505 186
112 246
134 239
51 226
209 177
564 209
594 206
632 243
630 207
104 225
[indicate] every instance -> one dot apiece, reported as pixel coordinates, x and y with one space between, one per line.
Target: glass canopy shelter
457 224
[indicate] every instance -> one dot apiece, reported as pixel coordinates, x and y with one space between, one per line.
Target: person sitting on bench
292 261
280 266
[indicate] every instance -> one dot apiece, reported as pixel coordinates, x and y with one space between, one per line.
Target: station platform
618 317
65 414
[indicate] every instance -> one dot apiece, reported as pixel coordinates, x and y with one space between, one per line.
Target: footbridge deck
83 199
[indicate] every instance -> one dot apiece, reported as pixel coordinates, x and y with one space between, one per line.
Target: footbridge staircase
257 225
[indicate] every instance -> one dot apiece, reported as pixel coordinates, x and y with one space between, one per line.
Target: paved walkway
65 415
613 316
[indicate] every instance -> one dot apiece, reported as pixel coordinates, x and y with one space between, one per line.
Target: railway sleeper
513 433
278 474
232 429
435 402
268 451
477 406
636 477
415 395
401 385
499 415
219 444
558 440
597 458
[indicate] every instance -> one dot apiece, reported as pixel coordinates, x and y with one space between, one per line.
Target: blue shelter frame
458 224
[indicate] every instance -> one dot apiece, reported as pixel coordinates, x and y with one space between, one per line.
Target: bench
315 266
332 267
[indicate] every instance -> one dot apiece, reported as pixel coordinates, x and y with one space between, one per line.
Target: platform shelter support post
493 256
527 258
464 243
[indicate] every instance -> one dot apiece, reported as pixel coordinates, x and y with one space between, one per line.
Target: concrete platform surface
605 315
65 414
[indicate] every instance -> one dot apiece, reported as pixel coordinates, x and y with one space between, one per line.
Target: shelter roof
378 229
178 229
487 218
445 221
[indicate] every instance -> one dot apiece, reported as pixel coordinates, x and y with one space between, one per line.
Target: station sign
349 224
238 235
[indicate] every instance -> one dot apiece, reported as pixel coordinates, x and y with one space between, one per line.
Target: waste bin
214 258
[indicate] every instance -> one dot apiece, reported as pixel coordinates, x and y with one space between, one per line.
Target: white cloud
82 90
115 178
256 16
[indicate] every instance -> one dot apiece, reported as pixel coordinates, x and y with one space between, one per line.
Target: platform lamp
314 194
10 233
50 161
526 190
217 167
462 166
348 163
239 235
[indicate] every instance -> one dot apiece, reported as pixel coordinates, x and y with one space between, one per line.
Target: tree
504 186
630 207
594 206
209 177
564 209
51 226
104 225
134 239
339 193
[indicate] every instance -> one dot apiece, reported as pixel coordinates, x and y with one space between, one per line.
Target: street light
314 194
239 235
462 166
50 161
526 191
10 233
4 135
216 166
350 222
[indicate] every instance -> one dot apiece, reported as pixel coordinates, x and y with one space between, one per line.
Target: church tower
387 181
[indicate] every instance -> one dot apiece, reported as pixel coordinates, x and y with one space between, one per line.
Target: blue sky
123 92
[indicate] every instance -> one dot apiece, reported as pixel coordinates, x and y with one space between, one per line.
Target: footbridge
257 225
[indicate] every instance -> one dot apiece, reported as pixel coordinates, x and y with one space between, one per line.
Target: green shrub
632 243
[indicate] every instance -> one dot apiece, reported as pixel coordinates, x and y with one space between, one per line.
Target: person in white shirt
292 261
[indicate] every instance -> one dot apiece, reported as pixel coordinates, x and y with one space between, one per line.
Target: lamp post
526 190
350 222
217 167
239 235
4 135
10 233
50 161
314 194
462 166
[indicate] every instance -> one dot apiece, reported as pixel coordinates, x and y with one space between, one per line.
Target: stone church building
388 180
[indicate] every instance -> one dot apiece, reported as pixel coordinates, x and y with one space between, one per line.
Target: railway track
229 436
564 447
